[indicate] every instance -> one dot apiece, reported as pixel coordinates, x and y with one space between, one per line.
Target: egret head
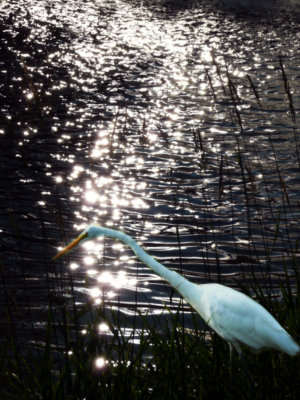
90 232
94 231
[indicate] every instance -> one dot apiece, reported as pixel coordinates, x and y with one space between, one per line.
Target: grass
170 361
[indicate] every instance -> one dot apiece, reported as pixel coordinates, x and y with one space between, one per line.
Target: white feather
237 318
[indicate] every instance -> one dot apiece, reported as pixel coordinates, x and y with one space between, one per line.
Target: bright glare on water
171 122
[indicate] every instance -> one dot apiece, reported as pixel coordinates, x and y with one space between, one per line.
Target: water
143 117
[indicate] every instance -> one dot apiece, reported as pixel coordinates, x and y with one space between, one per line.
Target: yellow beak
70 246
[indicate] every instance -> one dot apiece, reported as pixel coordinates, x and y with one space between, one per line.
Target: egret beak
70 246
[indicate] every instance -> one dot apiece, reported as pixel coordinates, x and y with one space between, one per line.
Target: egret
235 317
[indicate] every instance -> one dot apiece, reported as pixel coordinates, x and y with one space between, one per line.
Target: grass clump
168 362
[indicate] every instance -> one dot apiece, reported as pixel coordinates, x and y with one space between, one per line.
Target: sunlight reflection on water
144 119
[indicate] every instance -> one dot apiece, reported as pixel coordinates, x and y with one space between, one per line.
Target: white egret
235 317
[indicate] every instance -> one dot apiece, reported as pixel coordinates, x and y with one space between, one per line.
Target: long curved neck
172 277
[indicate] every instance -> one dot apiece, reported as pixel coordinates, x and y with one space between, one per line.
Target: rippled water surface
177 124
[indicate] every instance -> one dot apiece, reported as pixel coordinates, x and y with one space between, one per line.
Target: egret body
235 317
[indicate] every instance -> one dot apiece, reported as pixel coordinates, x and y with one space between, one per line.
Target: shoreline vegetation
163 360
156 361
85 352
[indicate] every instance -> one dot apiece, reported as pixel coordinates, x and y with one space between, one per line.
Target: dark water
144 118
